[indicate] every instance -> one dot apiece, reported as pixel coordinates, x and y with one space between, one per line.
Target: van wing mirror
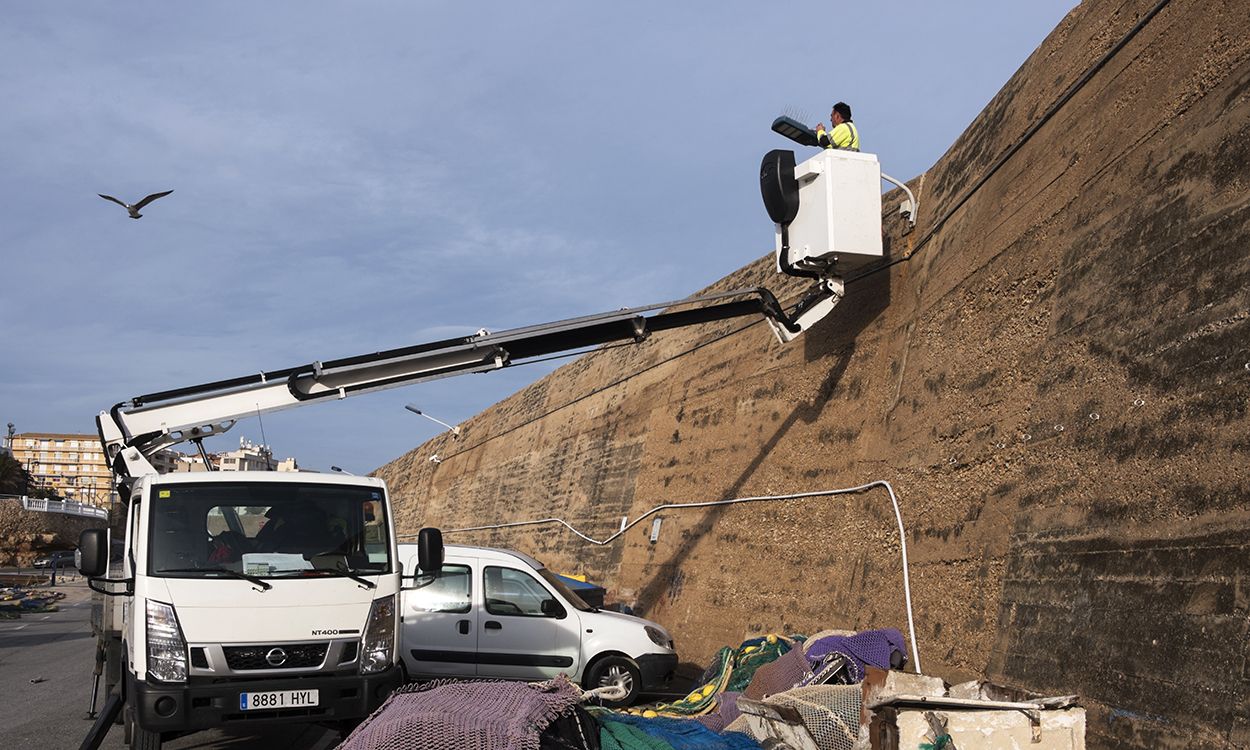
552 608
430 550
93 546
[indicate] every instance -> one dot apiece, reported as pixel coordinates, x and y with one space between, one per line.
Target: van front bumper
164 707
657 670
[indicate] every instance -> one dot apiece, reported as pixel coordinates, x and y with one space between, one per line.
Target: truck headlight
379 640
167 649
658 637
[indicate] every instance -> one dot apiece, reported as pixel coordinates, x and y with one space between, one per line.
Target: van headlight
167 649
379 640
658 637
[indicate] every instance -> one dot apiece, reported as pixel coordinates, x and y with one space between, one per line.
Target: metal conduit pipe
911 198
898 516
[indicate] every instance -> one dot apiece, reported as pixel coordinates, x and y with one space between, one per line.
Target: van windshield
565 591
267 530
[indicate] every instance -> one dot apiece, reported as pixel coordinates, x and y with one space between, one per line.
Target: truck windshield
267 530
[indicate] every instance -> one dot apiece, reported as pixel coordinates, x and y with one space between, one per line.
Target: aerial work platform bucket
838 222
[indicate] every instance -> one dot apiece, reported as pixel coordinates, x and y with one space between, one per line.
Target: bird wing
111 198
151 198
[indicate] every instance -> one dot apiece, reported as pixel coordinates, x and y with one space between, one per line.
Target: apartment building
71 464
248 457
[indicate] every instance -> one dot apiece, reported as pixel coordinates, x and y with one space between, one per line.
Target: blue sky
351 177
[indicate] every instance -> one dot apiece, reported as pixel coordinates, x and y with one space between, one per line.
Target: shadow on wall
833 339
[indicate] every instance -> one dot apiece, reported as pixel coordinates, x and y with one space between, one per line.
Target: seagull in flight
134 210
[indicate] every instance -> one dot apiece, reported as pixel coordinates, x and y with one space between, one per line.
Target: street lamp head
453 429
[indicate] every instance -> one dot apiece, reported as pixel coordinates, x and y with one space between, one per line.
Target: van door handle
463 627
492 625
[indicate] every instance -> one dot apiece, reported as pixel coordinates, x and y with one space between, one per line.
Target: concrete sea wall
1056 384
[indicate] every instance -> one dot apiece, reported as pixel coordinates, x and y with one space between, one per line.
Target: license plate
277 699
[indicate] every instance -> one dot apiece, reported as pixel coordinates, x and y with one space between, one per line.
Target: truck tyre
610 670
346 727
138 738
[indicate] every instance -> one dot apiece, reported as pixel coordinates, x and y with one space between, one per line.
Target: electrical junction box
838 225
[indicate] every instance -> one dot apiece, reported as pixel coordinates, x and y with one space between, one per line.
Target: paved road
45 678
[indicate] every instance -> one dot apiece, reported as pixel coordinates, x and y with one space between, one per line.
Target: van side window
445 591
513 592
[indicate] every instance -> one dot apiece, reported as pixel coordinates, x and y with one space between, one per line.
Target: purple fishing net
871 647
779 675
466 716
723 715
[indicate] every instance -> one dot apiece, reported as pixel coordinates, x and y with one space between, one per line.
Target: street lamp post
34 474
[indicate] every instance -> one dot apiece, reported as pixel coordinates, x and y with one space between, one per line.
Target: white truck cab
500 613
257 596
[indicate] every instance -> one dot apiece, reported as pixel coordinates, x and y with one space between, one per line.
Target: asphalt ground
46 662
45 677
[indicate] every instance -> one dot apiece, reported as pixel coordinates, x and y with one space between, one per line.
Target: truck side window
445 591
513 592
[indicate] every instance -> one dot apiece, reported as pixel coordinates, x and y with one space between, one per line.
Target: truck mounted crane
254 597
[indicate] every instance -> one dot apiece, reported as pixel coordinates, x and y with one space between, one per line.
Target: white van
503 614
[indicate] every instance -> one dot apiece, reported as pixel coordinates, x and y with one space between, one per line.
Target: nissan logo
276 657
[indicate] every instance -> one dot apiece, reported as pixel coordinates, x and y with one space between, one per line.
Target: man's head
841 113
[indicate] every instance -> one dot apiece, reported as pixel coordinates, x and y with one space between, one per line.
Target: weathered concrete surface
27 534
1056 385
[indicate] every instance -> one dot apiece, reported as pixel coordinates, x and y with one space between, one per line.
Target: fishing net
626 732
780 675
466 716
723 714
831 713
730 670
871 647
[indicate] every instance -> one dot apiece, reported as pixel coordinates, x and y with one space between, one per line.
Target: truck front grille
297 656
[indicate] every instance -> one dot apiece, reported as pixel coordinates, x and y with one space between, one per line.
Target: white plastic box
839 218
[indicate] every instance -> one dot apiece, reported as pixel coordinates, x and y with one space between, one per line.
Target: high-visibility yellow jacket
844 136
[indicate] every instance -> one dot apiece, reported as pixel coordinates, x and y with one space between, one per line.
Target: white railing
68 507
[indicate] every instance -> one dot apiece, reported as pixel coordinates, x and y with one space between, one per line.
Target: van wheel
612 670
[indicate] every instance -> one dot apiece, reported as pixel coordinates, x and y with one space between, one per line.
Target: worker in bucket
845 135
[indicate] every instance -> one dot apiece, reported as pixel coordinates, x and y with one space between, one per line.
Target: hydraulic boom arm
134 430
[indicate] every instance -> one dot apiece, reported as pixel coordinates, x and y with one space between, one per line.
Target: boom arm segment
135 430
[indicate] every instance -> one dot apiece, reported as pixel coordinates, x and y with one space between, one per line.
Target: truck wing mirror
430 550
93 547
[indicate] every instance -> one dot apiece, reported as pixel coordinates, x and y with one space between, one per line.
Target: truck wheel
611 670
346 727
142 739
138 738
